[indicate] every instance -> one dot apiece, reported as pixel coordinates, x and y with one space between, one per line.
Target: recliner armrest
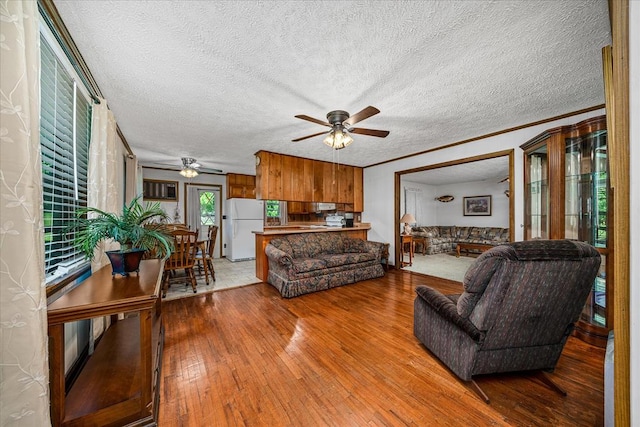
447 309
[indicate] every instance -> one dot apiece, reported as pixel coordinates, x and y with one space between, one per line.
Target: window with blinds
65 130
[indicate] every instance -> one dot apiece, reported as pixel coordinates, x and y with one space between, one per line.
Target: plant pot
127 262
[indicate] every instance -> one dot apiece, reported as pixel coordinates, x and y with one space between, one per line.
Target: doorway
419 189
203 208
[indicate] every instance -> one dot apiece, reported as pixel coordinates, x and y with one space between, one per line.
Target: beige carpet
228 275
441 265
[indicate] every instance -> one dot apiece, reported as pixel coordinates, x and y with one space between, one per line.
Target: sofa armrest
448 310
277 255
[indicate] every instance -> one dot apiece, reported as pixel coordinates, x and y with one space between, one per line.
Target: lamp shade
338 139
189 172
407 219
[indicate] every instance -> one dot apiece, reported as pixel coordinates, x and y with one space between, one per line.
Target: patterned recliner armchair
519 305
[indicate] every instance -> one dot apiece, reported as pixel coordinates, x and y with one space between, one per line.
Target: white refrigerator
243 217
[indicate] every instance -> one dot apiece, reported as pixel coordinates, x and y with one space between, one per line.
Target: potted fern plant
139 228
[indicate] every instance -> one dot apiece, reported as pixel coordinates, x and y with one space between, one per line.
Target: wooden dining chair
204 258
182 258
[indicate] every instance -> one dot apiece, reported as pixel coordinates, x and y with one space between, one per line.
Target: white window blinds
65 127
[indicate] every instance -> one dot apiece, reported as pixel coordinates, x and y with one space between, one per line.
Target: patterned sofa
310 262
442 239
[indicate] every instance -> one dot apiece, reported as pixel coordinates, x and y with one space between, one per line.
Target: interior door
204 210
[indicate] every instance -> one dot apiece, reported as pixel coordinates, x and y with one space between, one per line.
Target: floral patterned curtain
102 191
24 375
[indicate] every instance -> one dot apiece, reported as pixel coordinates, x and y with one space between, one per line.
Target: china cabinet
567 196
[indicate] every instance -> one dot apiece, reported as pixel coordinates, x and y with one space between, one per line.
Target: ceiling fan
191 168
341 124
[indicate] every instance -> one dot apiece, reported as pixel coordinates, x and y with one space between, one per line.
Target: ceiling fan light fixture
338 139
189 172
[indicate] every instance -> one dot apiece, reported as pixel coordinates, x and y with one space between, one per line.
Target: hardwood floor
345 357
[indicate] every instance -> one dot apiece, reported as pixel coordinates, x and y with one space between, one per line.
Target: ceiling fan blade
364 114
370 132
308 136
209 170
311 119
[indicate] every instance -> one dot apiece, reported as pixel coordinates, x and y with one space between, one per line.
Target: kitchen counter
263 238
311 228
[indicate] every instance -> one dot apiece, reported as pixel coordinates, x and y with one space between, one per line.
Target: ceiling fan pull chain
333 180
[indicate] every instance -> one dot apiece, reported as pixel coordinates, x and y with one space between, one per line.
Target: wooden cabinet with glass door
567 196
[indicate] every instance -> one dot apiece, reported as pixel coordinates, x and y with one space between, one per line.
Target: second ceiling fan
340 123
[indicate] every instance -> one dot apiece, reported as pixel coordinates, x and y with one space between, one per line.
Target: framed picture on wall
476 206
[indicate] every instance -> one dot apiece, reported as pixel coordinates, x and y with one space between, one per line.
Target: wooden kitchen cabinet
344 178
300 207
287 177
296 179
119 385
275 177
307 180
241 186
358 190
329 182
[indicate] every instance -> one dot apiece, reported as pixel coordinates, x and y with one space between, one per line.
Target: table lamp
406 220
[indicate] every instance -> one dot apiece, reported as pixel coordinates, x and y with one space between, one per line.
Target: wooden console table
119 385
406 240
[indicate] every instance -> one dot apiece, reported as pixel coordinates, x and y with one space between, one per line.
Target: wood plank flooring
345 357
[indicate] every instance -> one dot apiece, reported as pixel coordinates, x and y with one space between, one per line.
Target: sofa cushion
432 231
303 265
462 232
330 243
493 233
477 233
305 247
446 231
334 260
440 240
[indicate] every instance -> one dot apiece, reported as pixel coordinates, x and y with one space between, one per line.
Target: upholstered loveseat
310 262
441 239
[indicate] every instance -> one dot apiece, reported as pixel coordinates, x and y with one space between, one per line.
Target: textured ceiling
219 81
491 170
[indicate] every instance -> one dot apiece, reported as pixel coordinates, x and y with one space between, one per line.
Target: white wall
451 213
379 180
634 116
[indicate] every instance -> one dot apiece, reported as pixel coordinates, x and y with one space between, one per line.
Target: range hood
325 207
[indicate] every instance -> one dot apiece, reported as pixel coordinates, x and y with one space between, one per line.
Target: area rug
441 265
228 275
